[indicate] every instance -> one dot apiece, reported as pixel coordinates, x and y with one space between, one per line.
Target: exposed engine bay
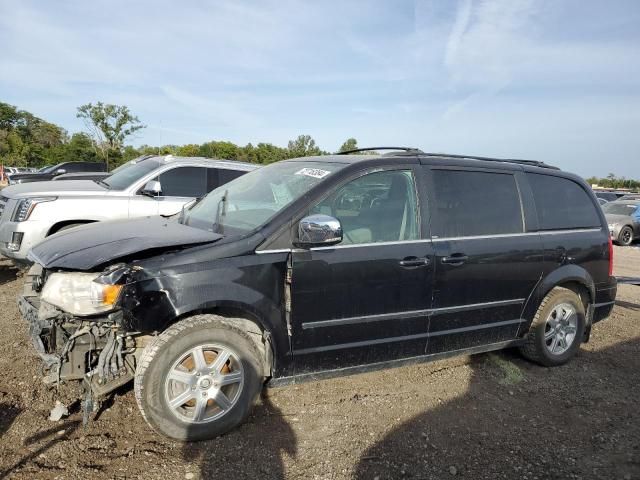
94 350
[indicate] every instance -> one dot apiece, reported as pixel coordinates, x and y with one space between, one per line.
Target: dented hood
86 247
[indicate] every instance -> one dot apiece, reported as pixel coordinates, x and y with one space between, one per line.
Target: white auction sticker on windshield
313 172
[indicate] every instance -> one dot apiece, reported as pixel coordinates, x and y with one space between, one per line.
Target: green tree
303 146
224 150
26 140
8 116
190 150
109 126
80 148
269 153
349 144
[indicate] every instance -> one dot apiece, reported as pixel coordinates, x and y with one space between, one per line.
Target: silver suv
159 185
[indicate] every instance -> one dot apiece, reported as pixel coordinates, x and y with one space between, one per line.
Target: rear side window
220 176
562 203
184 182
228 175
475 203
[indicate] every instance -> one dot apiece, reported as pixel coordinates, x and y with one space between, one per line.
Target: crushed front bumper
94 349
39 330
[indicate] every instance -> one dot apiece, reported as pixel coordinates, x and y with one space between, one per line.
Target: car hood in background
59 188
89 246
30 177
81 176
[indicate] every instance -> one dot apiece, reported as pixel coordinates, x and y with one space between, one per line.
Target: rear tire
557 329
198 379
625 237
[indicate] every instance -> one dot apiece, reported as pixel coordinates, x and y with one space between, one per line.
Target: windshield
249 201
123 176
49 169
619 208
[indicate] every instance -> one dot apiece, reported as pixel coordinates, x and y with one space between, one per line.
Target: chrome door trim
439 239
523 234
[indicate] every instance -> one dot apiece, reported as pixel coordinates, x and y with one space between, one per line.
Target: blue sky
556 80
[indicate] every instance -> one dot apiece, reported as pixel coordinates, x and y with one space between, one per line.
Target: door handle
455 259
414 262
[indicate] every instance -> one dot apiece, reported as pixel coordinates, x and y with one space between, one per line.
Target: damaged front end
78 331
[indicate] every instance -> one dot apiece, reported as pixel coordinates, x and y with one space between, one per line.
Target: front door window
376 207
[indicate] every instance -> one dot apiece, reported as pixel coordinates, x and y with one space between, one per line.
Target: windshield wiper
221 211
103 183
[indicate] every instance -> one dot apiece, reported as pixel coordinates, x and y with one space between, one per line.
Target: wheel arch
56 227
249 321
573 277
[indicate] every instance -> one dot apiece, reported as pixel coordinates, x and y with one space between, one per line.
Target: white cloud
473 76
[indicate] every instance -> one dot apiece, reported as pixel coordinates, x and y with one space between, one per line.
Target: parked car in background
48 173
607 195
321 266
99 175
623 218
82 176
630 196
14 170
151 186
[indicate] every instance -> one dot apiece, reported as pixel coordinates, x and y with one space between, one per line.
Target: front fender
152 300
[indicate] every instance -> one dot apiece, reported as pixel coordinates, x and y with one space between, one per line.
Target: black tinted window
228 175
220 176
475 203
69 167
184 182
562 203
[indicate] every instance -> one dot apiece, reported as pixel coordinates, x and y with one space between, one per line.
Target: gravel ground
487 416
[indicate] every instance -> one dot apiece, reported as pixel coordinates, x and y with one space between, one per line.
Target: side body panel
230 278
480 299
357 305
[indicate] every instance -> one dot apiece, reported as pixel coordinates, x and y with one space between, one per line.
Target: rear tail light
610 257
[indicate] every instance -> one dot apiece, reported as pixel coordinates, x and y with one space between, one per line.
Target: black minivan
320 266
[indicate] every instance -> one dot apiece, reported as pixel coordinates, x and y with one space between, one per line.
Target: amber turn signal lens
110 293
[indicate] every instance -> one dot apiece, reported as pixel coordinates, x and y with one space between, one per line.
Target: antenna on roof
405 149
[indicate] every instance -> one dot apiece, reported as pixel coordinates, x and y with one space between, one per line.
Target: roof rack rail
356 150
533 163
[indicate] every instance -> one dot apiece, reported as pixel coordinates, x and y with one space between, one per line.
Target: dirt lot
487 416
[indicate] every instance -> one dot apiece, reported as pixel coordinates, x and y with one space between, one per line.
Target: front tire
198 379
625 237
557 329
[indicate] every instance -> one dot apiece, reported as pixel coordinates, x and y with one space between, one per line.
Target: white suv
159 185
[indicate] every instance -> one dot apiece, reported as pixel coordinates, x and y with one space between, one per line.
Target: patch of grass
512 373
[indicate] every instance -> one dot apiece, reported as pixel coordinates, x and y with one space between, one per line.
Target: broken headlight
80 293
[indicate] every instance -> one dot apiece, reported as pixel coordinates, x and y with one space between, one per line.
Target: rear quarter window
562 204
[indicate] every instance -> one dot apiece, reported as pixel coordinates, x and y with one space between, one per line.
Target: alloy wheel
204 383
560 329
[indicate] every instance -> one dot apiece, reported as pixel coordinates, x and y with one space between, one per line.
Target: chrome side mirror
152 188
60 171
319 230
